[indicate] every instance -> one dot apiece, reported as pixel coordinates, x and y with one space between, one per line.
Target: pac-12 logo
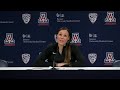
26 18
93 17
92 57
9 41
43 20
25 58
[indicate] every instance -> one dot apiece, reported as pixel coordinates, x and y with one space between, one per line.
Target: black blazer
51 54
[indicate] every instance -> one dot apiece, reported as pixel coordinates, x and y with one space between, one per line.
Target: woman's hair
68 48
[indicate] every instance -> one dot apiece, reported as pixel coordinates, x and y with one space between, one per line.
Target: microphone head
3 63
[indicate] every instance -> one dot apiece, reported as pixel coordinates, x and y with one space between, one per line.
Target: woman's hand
61 64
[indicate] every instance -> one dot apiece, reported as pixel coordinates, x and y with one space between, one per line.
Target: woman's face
62 37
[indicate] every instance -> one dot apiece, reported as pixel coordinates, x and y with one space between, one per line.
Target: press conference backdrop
25 34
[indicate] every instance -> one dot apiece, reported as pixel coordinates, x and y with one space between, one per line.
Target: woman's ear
68 41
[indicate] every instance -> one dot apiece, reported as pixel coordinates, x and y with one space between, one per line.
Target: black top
51 54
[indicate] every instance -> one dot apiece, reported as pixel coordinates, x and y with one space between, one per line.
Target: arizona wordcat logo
9 41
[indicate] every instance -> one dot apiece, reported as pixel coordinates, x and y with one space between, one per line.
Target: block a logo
26 18
43 20
109 58
25 58
92 57
76 39
93 17
110 19
9 41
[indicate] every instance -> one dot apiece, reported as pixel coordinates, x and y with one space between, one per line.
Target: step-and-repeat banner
25 34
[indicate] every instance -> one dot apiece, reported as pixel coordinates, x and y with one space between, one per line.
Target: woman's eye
65 35
60 34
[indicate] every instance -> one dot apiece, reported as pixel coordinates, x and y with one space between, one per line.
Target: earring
68 41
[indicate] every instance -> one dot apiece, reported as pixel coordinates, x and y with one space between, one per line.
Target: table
59 73
60 68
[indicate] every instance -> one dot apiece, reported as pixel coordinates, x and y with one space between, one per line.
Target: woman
62 53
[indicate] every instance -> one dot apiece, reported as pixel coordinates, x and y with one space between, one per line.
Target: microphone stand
53 67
